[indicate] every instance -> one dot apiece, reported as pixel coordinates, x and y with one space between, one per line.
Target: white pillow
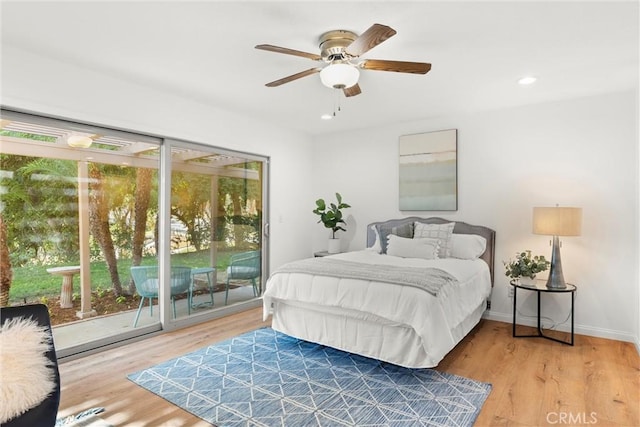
467 246
441 232
385 229
27 378
412 248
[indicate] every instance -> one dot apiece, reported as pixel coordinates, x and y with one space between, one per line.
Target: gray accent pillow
384 231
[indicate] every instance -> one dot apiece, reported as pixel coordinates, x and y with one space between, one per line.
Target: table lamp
557 221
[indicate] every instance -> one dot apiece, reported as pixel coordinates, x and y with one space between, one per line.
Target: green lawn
33 282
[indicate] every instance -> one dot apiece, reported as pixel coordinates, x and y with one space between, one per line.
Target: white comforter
435 320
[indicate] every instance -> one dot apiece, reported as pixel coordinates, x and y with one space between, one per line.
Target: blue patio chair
244 266
146 280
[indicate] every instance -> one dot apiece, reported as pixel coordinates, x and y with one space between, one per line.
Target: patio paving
73 334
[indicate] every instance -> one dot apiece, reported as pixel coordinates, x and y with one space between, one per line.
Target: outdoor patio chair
146 280
45 413
243 266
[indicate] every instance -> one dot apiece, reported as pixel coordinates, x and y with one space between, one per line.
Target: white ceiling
204 50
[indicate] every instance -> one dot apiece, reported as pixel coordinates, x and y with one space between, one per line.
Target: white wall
52 87
582 152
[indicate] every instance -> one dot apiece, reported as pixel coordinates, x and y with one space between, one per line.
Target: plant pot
333 246
527 281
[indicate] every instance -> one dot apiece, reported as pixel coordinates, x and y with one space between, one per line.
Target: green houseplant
525 265
331 218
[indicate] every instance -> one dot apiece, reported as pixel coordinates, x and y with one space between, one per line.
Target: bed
418 288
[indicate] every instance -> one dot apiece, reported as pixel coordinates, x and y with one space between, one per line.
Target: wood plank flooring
536 382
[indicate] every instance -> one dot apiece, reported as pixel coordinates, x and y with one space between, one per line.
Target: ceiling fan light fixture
78 140
341 50
339 76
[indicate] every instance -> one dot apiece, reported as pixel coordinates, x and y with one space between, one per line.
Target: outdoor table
211 281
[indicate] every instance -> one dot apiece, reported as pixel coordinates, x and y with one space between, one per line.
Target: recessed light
326 117
527 80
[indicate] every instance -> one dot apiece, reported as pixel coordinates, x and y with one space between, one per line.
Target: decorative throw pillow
376 247
27 378
412 248
442 232
467 246
405 230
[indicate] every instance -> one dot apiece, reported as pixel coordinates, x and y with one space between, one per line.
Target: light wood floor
535 382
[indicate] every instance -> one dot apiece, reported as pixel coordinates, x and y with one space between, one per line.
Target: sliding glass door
122 234
215 230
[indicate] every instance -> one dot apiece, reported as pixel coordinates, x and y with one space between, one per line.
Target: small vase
527 281
334 246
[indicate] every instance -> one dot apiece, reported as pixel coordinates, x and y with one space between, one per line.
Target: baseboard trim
579 329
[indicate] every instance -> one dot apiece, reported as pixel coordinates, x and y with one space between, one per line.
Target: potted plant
331 217
525 266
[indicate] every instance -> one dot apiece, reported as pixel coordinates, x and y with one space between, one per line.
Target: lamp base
556 278
553 285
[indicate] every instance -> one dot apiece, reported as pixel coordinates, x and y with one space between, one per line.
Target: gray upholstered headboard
460 228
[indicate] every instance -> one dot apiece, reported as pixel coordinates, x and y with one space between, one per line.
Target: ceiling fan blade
293 77
287 51
352 91
371 38
397 66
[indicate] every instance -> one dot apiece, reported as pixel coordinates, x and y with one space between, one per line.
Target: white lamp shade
557 221
339 76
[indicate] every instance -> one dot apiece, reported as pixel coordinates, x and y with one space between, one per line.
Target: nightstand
539 287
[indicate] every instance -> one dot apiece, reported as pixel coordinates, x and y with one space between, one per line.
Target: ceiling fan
341 51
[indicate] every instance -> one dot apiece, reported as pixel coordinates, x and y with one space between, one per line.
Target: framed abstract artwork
428 167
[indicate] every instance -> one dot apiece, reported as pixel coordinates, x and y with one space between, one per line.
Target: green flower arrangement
525 265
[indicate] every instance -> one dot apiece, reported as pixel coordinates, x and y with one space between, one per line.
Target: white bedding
398 324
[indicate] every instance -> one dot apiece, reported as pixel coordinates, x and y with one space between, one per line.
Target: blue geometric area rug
266 378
